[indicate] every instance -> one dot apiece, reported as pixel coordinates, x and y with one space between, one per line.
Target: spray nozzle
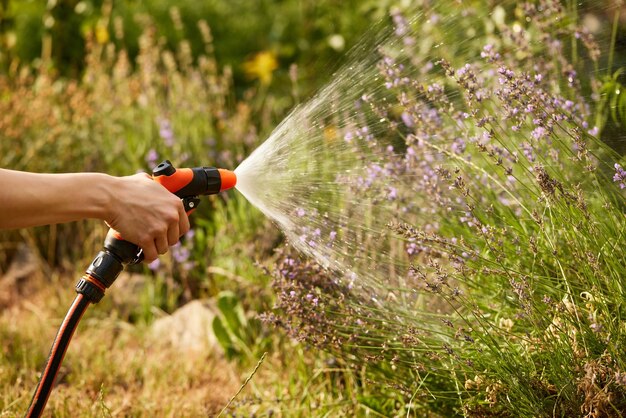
190 182
229 179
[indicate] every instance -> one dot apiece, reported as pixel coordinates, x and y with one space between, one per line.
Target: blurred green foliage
313 34
242 337
613 102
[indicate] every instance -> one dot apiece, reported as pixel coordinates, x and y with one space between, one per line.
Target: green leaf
223 337
233 313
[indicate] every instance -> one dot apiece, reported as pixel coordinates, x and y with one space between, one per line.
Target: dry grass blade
245 383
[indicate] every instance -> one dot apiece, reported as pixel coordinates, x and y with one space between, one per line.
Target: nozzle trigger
190 203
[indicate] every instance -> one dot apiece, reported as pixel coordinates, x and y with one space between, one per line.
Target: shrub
470 222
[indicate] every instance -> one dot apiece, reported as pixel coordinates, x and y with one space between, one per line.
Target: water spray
186 183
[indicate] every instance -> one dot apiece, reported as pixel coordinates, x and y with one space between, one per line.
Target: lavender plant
466 221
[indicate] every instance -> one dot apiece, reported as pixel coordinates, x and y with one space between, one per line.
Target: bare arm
142 211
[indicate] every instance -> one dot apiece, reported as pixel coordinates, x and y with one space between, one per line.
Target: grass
114 368
539 328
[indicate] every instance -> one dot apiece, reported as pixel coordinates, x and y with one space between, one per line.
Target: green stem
613 38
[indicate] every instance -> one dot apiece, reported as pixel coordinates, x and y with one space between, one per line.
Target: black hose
55 358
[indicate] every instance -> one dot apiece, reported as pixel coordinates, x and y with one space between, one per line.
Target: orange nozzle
229 179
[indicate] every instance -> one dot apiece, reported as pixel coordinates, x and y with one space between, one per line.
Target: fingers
162 240
173 234
161 244
178 228
149 252
183 222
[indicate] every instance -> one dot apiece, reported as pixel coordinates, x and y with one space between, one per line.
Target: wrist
106 204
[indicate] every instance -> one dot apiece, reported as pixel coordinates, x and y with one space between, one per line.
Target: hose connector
92 291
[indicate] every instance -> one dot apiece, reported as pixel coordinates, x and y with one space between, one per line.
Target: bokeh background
117 86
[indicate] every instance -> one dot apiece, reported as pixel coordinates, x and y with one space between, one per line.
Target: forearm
28 199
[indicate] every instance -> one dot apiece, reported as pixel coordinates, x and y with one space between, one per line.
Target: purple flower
539 133
332 235
152 156
594 131
527 149
300 212
463 70
620 176
166 132
506 72
490 53
154 266
407 119
180 253
401 26
458 146
427 67
486 50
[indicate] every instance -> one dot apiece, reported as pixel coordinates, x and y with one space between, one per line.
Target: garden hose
57 352
187 184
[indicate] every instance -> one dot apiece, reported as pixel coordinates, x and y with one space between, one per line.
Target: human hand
146 214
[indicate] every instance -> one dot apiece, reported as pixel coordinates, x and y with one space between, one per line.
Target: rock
126 293
15 281
189 329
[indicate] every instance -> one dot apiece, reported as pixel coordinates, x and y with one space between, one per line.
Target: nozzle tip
229 179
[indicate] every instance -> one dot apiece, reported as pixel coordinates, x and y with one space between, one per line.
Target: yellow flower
261 66
330 133
102 34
